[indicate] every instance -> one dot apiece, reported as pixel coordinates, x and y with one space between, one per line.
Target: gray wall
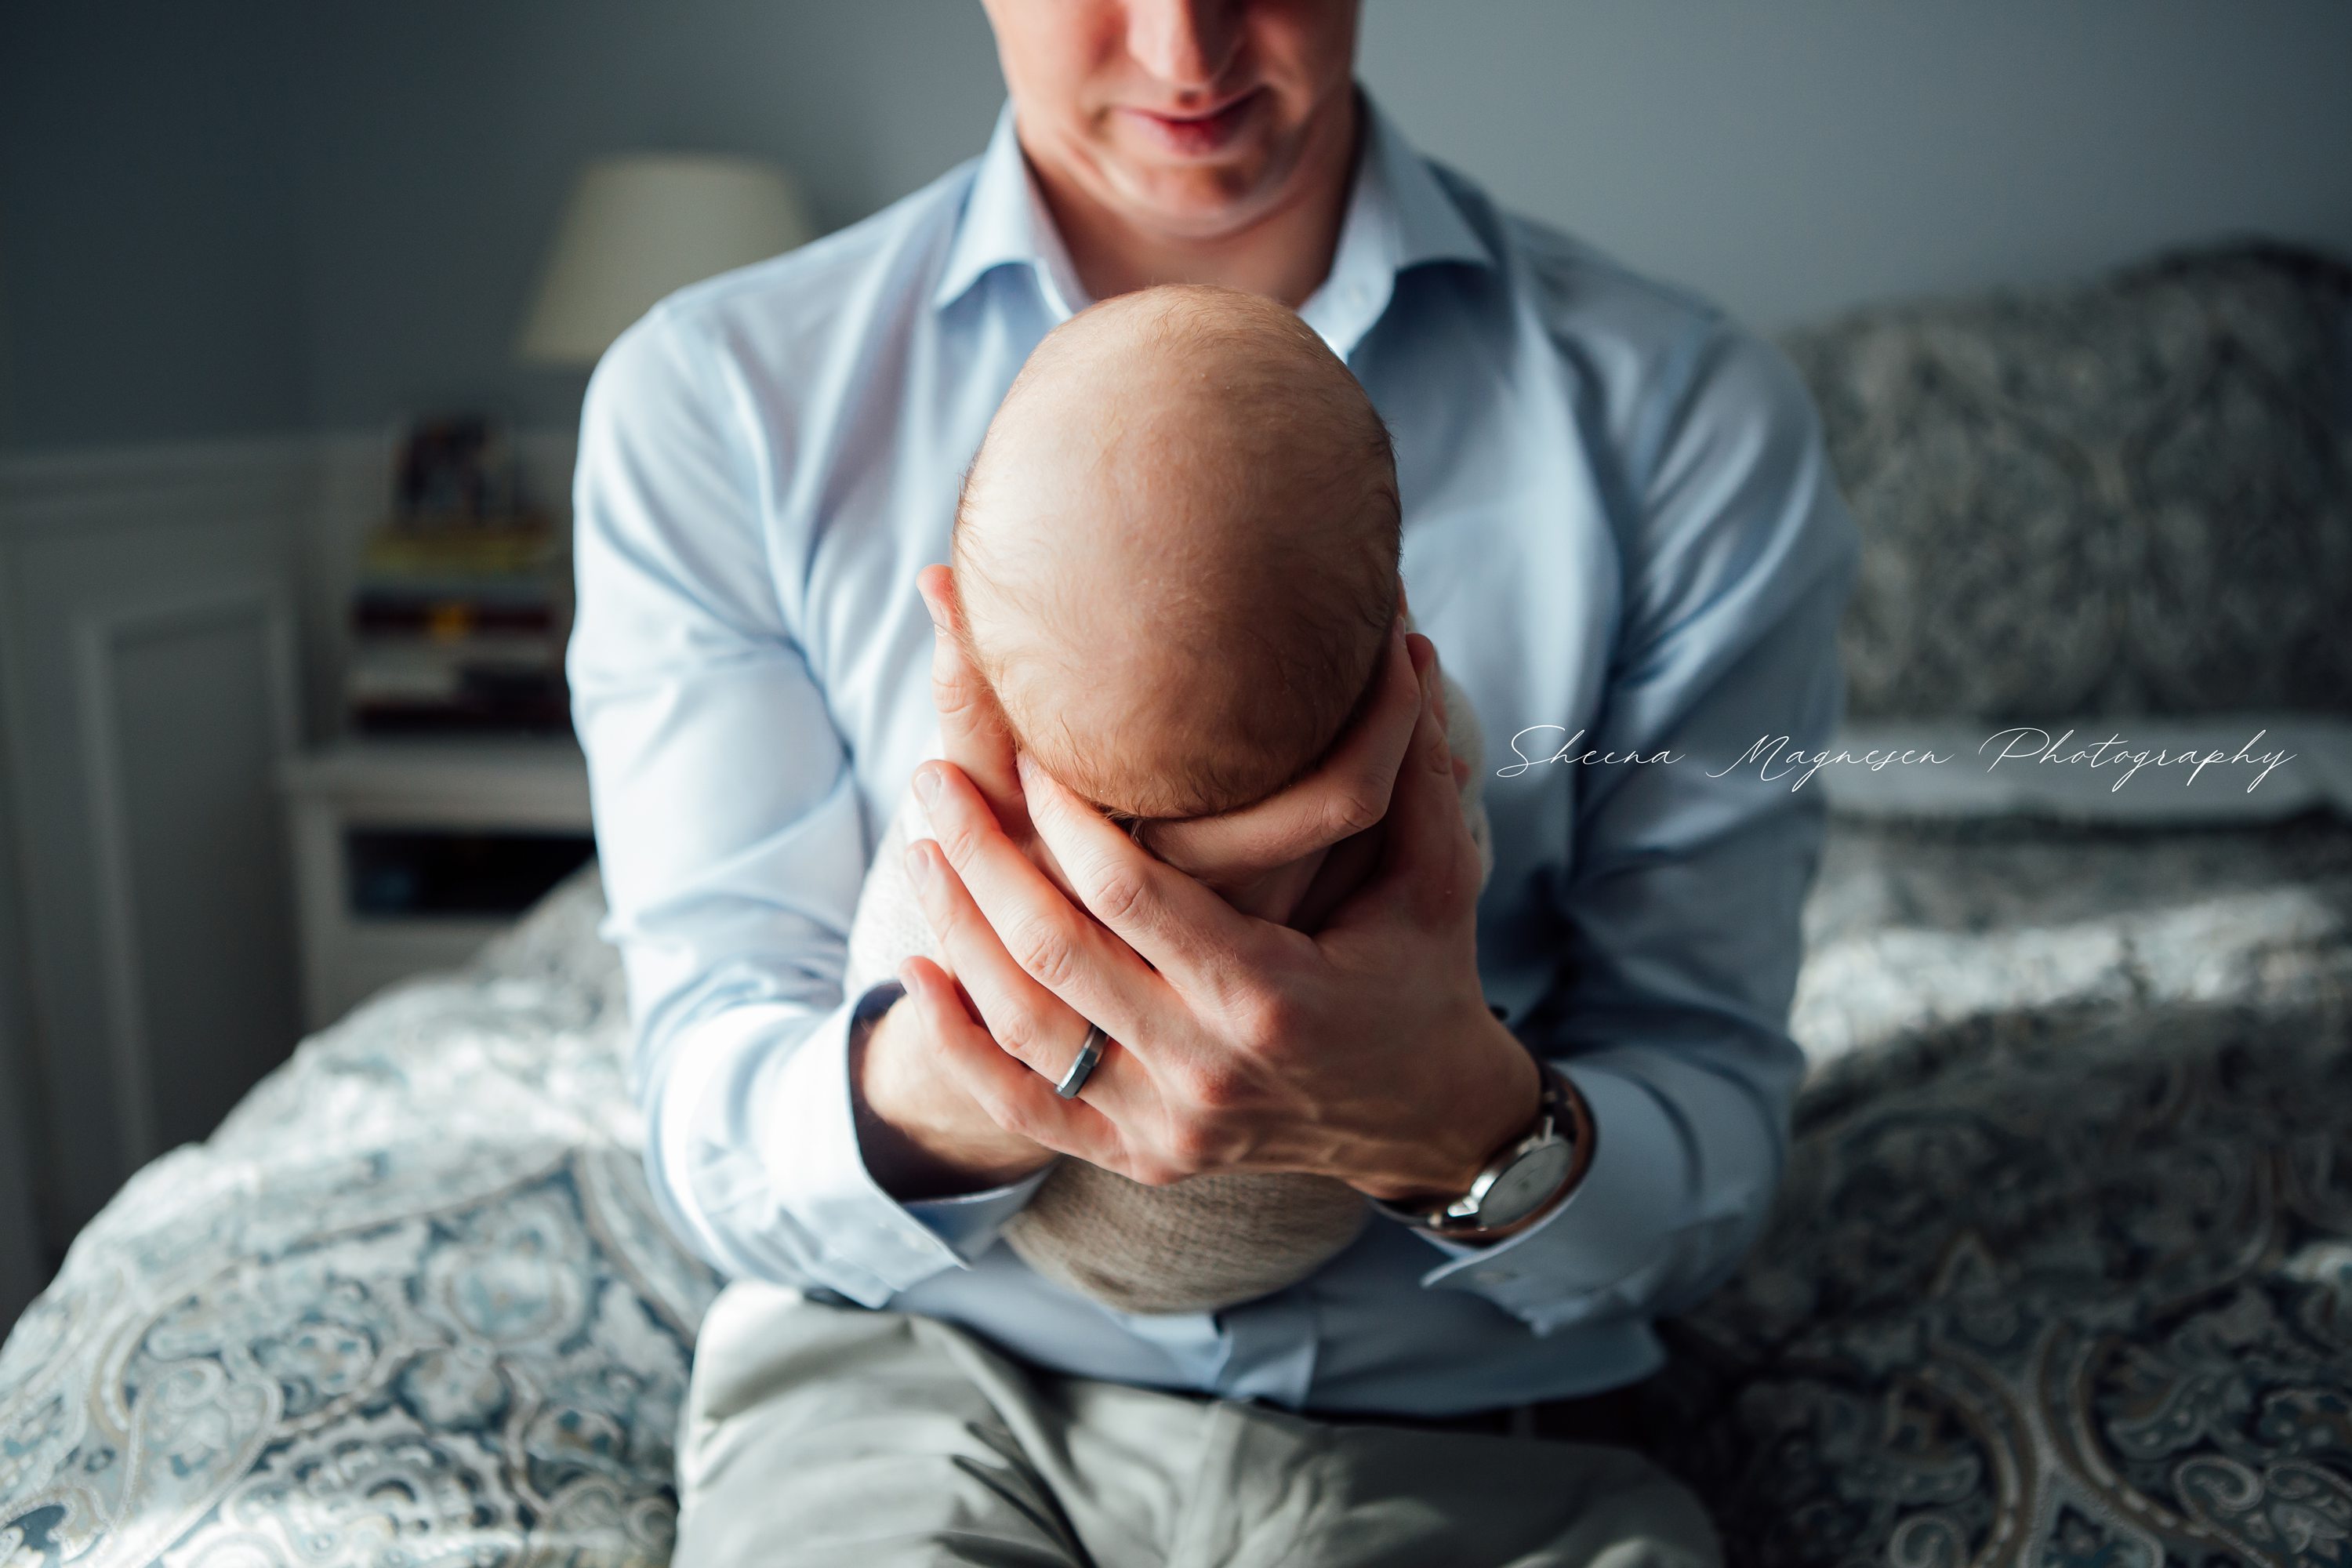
1789 158
295 214
147 223
441 135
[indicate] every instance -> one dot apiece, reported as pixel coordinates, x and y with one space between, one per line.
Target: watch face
1531 1178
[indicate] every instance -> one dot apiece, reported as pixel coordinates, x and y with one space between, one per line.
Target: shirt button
1497 1276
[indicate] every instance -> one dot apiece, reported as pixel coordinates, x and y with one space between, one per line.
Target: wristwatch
1522 1182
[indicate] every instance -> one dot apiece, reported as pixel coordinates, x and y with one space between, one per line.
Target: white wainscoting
171 628
133 760
186 699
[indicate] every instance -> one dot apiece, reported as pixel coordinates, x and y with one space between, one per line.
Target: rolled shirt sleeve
732 842
1682 909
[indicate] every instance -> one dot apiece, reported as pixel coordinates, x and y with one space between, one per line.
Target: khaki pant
818 1434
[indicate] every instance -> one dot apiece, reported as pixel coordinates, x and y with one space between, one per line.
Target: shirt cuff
872 1247
971 1222
1609 1243
968 1221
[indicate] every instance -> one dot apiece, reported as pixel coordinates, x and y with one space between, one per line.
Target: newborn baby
1176 561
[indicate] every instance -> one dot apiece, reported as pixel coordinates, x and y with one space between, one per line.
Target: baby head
1176 551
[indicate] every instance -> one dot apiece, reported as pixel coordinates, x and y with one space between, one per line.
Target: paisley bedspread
2062 1272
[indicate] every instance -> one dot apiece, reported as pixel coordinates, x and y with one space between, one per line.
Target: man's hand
919 1125
923 1133
1364 1052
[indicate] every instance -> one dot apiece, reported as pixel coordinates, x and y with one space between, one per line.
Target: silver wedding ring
1088 1054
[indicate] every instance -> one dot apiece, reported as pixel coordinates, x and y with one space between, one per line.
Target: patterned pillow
2129 497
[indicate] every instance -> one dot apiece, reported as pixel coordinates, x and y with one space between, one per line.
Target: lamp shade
637 227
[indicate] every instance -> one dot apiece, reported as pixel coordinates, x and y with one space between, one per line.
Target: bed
2062 1269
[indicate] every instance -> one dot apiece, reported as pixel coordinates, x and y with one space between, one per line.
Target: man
1621 530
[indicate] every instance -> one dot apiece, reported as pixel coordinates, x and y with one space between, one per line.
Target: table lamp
637 227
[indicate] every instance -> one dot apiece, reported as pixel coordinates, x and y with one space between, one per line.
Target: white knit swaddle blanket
1201 1244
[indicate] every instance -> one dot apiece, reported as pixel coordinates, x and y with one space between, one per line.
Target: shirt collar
1005 223
1399 217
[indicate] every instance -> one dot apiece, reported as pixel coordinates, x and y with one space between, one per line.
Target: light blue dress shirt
1619 526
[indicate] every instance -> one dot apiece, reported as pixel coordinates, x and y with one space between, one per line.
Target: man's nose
1187 43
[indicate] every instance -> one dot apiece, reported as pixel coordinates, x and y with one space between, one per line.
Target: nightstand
410 854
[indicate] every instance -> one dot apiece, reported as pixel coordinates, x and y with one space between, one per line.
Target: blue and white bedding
2062 1270
410 1304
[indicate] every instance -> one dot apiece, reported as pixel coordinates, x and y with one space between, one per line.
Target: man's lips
1196 135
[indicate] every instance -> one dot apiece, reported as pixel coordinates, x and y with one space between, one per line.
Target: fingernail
926 784
918 865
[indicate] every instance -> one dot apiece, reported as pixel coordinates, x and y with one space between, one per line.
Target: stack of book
460 625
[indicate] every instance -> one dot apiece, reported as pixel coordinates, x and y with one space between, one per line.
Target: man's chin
1202 204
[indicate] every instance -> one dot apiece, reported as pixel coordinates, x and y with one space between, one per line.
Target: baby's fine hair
1298 611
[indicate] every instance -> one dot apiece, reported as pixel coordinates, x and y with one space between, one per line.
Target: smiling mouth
1198 135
